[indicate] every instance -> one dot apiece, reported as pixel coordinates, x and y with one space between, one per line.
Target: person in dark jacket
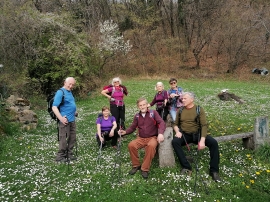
160 100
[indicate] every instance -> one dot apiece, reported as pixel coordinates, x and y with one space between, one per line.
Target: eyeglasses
116 82
173 83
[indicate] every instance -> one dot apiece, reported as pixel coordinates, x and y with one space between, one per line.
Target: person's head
159 86
69 83
105 111
142 104
173 82
116 81
188 99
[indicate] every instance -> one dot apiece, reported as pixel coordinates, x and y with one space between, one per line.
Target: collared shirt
148 125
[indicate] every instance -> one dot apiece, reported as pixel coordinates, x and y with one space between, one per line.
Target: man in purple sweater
150 132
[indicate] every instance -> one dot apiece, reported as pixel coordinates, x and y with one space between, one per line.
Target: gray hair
159 83
191 94
116 79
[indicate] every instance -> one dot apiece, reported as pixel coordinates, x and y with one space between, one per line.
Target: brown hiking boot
134 170
185 171
144 174
215 176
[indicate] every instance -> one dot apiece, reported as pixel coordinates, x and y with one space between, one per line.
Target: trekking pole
118 154
99 152
197 170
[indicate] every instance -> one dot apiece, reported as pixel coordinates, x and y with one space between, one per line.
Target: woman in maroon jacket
160 100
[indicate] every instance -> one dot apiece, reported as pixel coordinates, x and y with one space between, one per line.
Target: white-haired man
191 127
66 111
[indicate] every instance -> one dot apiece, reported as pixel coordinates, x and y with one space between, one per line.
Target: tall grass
28 171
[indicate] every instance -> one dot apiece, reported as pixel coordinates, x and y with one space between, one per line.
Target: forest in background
44 41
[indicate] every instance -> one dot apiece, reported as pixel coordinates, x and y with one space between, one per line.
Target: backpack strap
151 115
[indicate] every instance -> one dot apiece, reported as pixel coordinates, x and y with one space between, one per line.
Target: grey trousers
67 140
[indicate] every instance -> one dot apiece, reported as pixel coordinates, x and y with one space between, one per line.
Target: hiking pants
67 140
210 142
149 144
173 111
119 113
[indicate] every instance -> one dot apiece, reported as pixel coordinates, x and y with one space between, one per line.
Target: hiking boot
185 171
215 176
144 174
134 170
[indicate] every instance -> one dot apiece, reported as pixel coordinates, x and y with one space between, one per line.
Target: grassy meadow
28 171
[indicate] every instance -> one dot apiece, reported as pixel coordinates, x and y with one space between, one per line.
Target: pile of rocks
19 109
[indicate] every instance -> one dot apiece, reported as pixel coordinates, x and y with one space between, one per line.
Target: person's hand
201 145
148 105
111 133
178 134
121 132
101 139
64 120
160 138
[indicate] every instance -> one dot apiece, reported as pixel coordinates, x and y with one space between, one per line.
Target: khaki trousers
149 144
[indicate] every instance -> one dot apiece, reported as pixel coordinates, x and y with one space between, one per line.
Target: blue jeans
173 113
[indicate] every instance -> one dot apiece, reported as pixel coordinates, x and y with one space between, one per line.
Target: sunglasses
173 83
116 81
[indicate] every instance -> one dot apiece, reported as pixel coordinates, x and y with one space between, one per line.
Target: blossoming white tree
111 42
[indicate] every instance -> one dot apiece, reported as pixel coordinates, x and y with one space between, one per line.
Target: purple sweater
147 126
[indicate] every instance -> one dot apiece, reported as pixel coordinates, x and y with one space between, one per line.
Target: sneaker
185 171
134 170
144 174
215 176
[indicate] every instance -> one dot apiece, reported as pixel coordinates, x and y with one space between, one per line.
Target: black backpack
50 100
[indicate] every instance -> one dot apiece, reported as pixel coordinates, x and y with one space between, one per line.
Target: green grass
28 171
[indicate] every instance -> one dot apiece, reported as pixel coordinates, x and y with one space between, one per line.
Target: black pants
106 137
210 142
119 113
163 112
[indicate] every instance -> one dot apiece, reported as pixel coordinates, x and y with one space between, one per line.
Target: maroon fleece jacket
148 126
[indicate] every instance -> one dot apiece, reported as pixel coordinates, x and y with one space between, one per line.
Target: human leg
133 148
71 140
177 144
114 138
212 144
61 154
173 113
150 151
122 112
